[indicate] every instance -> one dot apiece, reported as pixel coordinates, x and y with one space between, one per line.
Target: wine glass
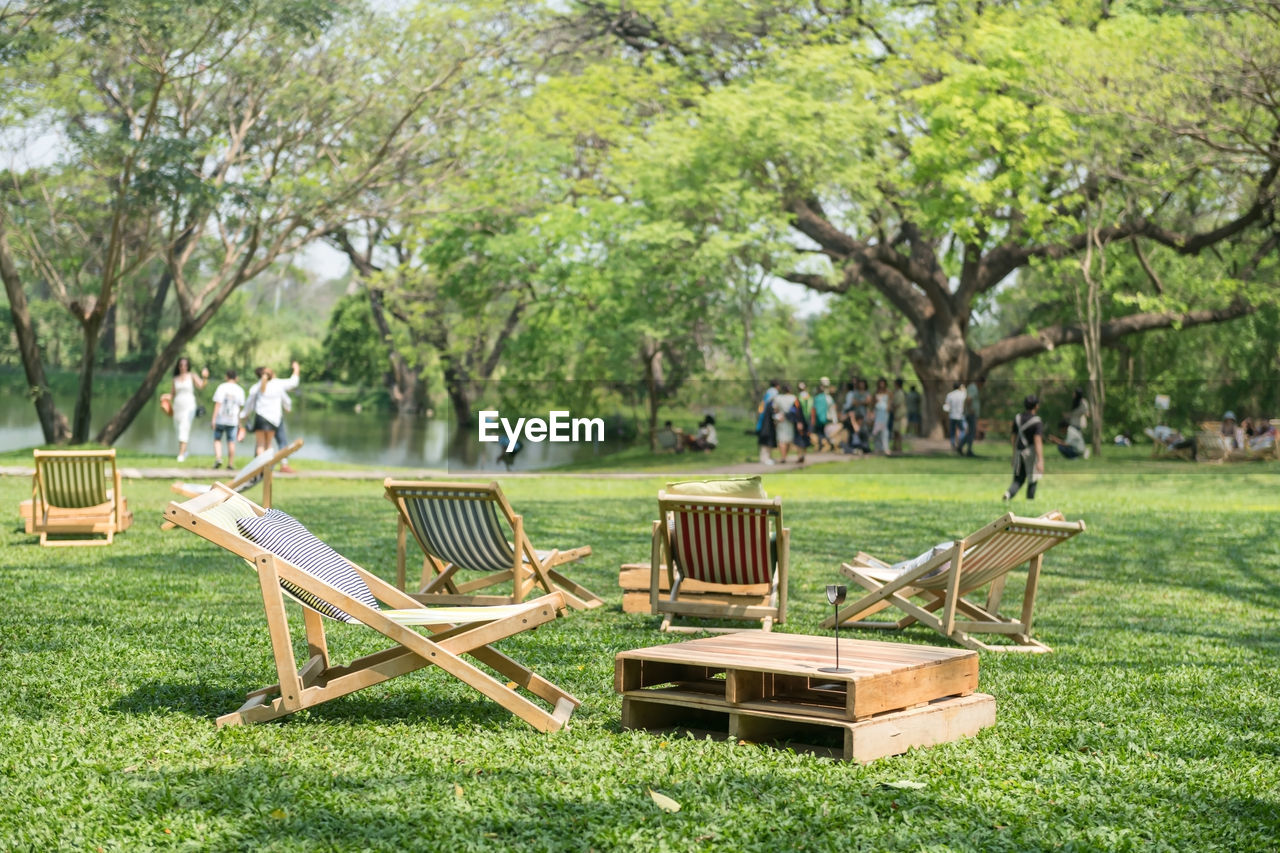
835 597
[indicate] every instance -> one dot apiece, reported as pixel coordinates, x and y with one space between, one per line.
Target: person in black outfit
1028 448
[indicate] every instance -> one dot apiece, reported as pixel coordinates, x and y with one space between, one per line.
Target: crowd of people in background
850 419
235 414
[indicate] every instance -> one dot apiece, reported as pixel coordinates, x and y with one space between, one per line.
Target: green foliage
352 352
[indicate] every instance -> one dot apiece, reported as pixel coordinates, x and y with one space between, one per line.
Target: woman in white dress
185 384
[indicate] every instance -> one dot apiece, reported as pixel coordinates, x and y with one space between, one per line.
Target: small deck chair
326 594
1161 450
734 550
459 527
76 492
261 469
984 558
1212 447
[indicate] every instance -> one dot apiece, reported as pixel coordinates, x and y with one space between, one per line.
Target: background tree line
604 195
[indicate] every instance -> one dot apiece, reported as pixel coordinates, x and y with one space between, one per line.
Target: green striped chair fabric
461 528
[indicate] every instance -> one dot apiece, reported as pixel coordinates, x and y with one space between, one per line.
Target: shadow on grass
416 705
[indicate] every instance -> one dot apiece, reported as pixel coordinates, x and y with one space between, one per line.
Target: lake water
369 438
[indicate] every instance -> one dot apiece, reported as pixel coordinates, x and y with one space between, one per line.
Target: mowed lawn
1155 724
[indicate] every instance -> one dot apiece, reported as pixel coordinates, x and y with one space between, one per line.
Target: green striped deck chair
471 528
941 580
76 493
293 566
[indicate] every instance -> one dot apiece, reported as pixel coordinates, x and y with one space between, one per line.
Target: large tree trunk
108 343
149 327
462 393
940 359
405 385
91 326
654 384
52 422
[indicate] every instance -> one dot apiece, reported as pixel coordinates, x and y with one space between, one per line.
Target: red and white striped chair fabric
725 558
726 545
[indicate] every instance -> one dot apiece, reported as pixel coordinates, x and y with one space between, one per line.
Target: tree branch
1021 346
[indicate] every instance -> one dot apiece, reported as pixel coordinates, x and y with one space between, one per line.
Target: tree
936 153
211 140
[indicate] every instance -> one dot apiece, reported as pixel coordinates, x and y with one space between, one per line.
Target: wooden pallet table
766 686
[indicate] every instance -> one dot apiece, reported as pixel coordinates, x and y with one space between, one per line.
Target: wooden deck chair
1212 447
733 551
76 492
984 558
1161 450
459 528
261 469
452 632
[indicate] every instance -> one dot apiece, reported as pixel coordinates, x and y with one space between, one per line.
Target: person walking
914 425
266 404
881 403
228 400
766 432
185 384
972 411
824 413
898 417
954 405
1078 414
1028 449
784 415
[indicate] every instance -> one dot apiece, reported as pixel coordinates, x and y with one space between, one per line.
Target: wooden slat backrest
252 474
1000 547
74 479
722 540
457 523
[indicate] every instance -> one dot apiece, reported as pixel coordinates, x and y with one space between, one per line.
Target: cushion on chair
916 562
224 515
721 487
282 535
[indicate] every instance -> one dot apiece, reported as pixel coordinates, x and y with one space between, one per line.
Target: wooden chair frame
943 583
319 680
731 601
46 516
439 584
244 480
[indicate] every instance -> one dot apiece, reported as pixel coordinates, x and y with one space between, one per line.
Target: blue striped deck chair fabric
470 528
726 558
292 564
76 493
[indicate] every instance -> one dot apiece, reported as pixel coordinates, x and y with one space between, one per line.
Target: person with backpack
1028 448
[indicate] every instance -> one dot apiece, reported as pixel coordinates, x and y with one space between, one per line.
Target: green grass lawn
1155 724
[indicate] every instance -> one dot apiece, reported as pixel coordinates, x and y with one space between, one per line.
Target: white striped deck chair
983 559
470 527
328 590
261 469
733 551
76 493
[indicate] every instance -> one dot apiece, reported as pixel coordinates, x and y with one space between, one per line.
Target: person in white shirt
228 400
267 404
954 404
